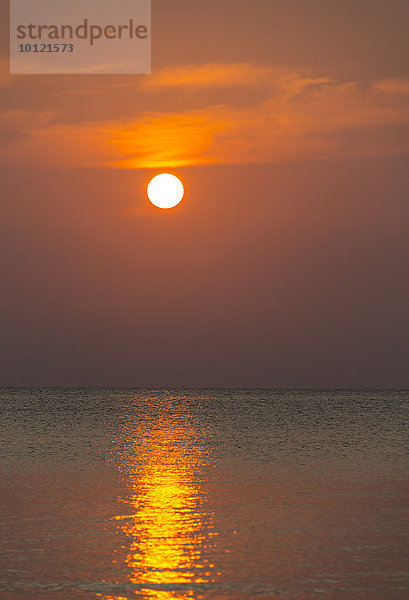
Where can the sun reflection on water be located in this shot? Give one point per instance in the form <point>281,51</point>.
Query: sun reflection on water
<point>170,530</point>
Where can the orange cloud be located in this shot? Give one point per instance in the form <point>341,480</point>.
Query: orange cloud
<point>36,140</point>
<point>211,75</point>
<point>299,118</point>
<point>394,86</point>
<point>168,140</point>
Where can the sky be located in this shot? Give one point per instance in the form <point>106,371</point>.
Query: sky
<point>286,263</point>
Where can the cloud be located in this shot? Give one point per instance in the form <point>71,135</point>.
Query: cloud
<point>302,118</point>
<point>298,117</point>
<point>167,140</point>
<point>35,139</point>
<point>393,86</point>
<point>210,75</point>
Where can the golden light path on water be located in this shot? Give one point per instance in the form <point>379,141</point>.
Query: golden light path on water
<point>169,530</point>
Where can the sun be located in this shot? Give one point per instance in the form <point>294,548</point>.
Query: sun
<point>165,191</point>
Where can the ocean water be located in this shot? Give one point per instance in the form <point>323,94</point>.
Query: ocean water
<point>207,494</point>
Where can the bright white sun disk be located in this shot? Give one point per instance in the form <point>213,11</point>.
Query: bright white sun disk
<point>165,191</point>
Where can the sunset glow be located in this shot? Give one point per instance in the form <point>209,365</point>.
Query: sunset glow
<point>204,364</point>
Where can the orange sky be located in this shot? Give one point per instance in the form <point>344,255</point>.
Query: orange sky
<point>288,123</point>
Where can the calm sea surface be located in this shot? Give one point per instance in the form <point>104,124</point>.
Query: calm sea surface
<point>215,494</point>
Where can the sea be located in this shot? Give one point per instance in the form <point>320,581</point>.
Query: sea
<point>213,494</point>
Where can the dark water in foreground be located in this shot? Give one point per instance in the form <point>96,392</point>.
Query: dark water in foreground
<point>213,494</point>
